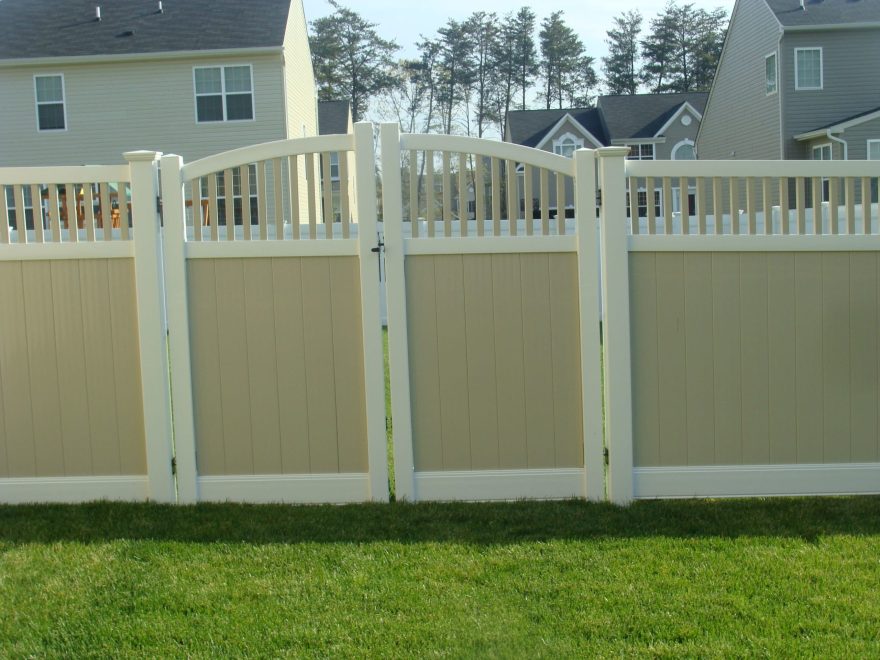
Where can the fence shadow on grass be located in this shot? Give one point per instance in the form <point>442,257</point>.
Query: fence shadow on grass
<point>475,524</point>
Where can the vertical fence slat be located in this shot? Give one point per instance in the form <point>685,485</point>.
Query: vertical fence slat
<point>667,205</point>
<point>701,206</point>
<point>866,205</point>
<point>36,211</point>
<point>327,190</point>
<point>850,205</point>
<point>88,212</point>
<point>528,207</point>
<point>212,207</point>
<point>784,215</point>
<point>429,193</point>
<point>20,219</point>
<point>196,197</point>
<point>634,206</point>
<point>545,202</point>
<point>833,215</point>
<point>650,209</point>
<point>262,204</point>
<point>278,189</point>
<point>462,194</point>
<point>718,205</point>
<point>684,201</point>
<point>496,197</point>
<point>560,204</point>
<point>123,210</point>
<point>72,212</point>
<point>768,205</point>
<point>512,197</point>
<point>4,217</point>
<point>106,212</point>
<point>447,195</point>
<point>293,191</point>
<point>480,194</point>
<point>734,205</point>
<point>344,199</point>
<point>751,206</point>
<point>244,175</point>
<point>414,193</point>
<point>310,195</point>
<point>229,213</point>
<point>817,205</point>
<point>801,203</point>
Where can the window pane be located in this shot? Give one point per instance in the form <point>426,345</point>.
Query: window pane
<point>208,81</point>
<point>771,74</point>
<point>49,89</point>
<point>684,152</point>
<point>809,65</point>
<point>51,116</point>
<point>210,108</point>
<point>238,79</point>
<point>239,106</point>
<point>874,150</point>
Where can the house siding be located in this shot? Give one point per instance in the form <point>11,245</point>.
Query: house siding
<point>299,78</point>
<point>741,121</point>
<point>851,82</point>
<point>675,134</point>
<point>117,107</point>
<point>857,138</point>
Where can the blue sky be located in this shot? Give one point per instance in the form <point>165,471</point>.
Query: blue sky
<point>404,21</point>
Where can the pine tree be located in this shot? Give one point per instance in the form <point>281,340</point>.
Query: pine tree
<point>657,52</point>
<point>350,59</point>
<point>455,72</point>
<point>621,67</point>
<point>565,72</point>
<point>482,29</point>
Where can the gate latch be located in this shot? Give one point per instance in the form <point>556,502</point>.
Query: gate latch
<point>379,247</point>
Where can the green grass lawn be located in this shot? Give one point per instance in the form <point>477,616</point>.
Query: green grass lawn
<point>726,578</point>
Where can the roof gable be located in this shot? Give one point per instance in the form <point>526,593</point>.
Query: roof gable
<point>818,13</point>
<point>68,28</point>
<point>643,116</point>
<point>570,121</point>
<point>333,117</point>
<point>530,127</point>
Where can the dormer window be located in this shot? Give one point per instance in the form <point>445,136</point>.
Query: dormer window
<point>567,145</point>
<point>224,93</point>
<point>808,72</point>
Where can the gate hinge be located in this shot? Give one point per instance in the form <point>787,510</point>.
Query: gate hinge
<point>605,455</point>
<point>599,197</point>
<point>174,466</point>
<point>158,204</point>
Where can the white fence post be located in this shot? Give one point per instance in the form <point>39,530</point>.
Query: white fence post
<point>149,282</point>
<point>616,324</point>
<point>374,367</point>
<point>398,341</point>
<point>588,299</point>
<point>177,307</point>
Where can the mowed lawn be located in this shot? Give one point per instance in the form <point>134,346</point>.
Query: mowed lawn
<point>565,579</point>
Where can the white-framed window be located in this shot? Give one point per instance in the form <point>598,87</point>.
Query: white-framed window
<point>771,71</point>
<point>567,145</point>
<point>237,209</point>
<point>873,149</point>
<point>642,203</point>
<point>824,152</point>
<point>49,95</point>
<point>684,150</point>
<point>641,152</point>
<point>808,73</point>
<point>224,93</point>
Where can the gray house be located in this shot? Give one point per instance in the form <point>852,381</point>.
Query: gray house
<point>82,81</point>
<point>796,80</point>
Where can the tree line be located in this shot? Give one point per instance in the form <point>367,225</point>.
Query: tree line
<point>471,73</point>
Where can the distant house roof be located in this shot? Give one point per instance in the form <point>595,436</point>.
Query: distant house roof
<point>333,117</point>
<point>68,28</point>
<point>840,125</point>
<point>625,117</point>
<point>636,116</point>
<point>824,12</point>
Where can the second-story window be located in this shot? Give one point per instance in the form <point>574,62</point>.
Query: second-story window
<point>808,68</point>
<point>770,73</point>
<point>224,93</point>
<point>49,91</point>
<point>567,145</point>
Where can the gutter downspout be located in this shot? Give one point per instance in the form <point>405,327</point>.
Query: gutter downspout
<point>829,135</point>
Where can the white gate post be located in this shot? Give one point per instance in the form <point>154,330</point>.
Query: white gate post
<point>374,367</point>
<point>398,341</point>
<point>588,299</point>
<point>616,323</point>
<point>177,306</point>
<point>150,287</point>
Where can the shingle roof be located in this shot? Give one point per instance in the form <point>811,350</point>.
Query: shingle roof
<point>333,117</point>
<point>623,117</point>
<point>528,127</point>
<point>64,28</point>
<point>824,12</point>
<point>642,115</point>
<point>846,120</point>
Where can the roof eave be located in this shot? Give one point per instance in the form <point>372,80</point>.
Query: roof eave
<point>139,57</point>
<point>832,27</point>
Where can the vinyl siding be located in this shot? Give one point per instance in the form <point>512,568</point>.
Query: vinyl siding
<point>675,134</point>
<point>299,78</point>
<point>741,121</point>
<point>857,138</point>
<point>118,107</point>
<point>851,82</point>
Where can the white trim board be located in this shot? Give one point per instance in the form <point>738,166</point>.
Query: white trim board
<point>344,247</point>
<point>70,490</point>
<point>684,106</point>
<point>490,245</point>
<point>287,489</point>
<point>756,243</point>
<point>574,122</point>
<point>757,480</point>
<point>64,251</point>
<point>486,485</point>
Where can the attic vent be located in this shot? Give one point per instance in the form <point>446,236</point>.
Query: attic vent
<point>127,33</point>
<point>97,13</point>
<point>161,10</point>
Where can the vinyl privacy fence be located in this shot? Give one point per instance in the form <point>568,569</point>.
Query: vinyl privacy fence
<point>229,347</point>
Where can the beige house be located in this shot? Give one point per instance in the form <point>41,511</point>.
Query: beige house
<point>81,83</point>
